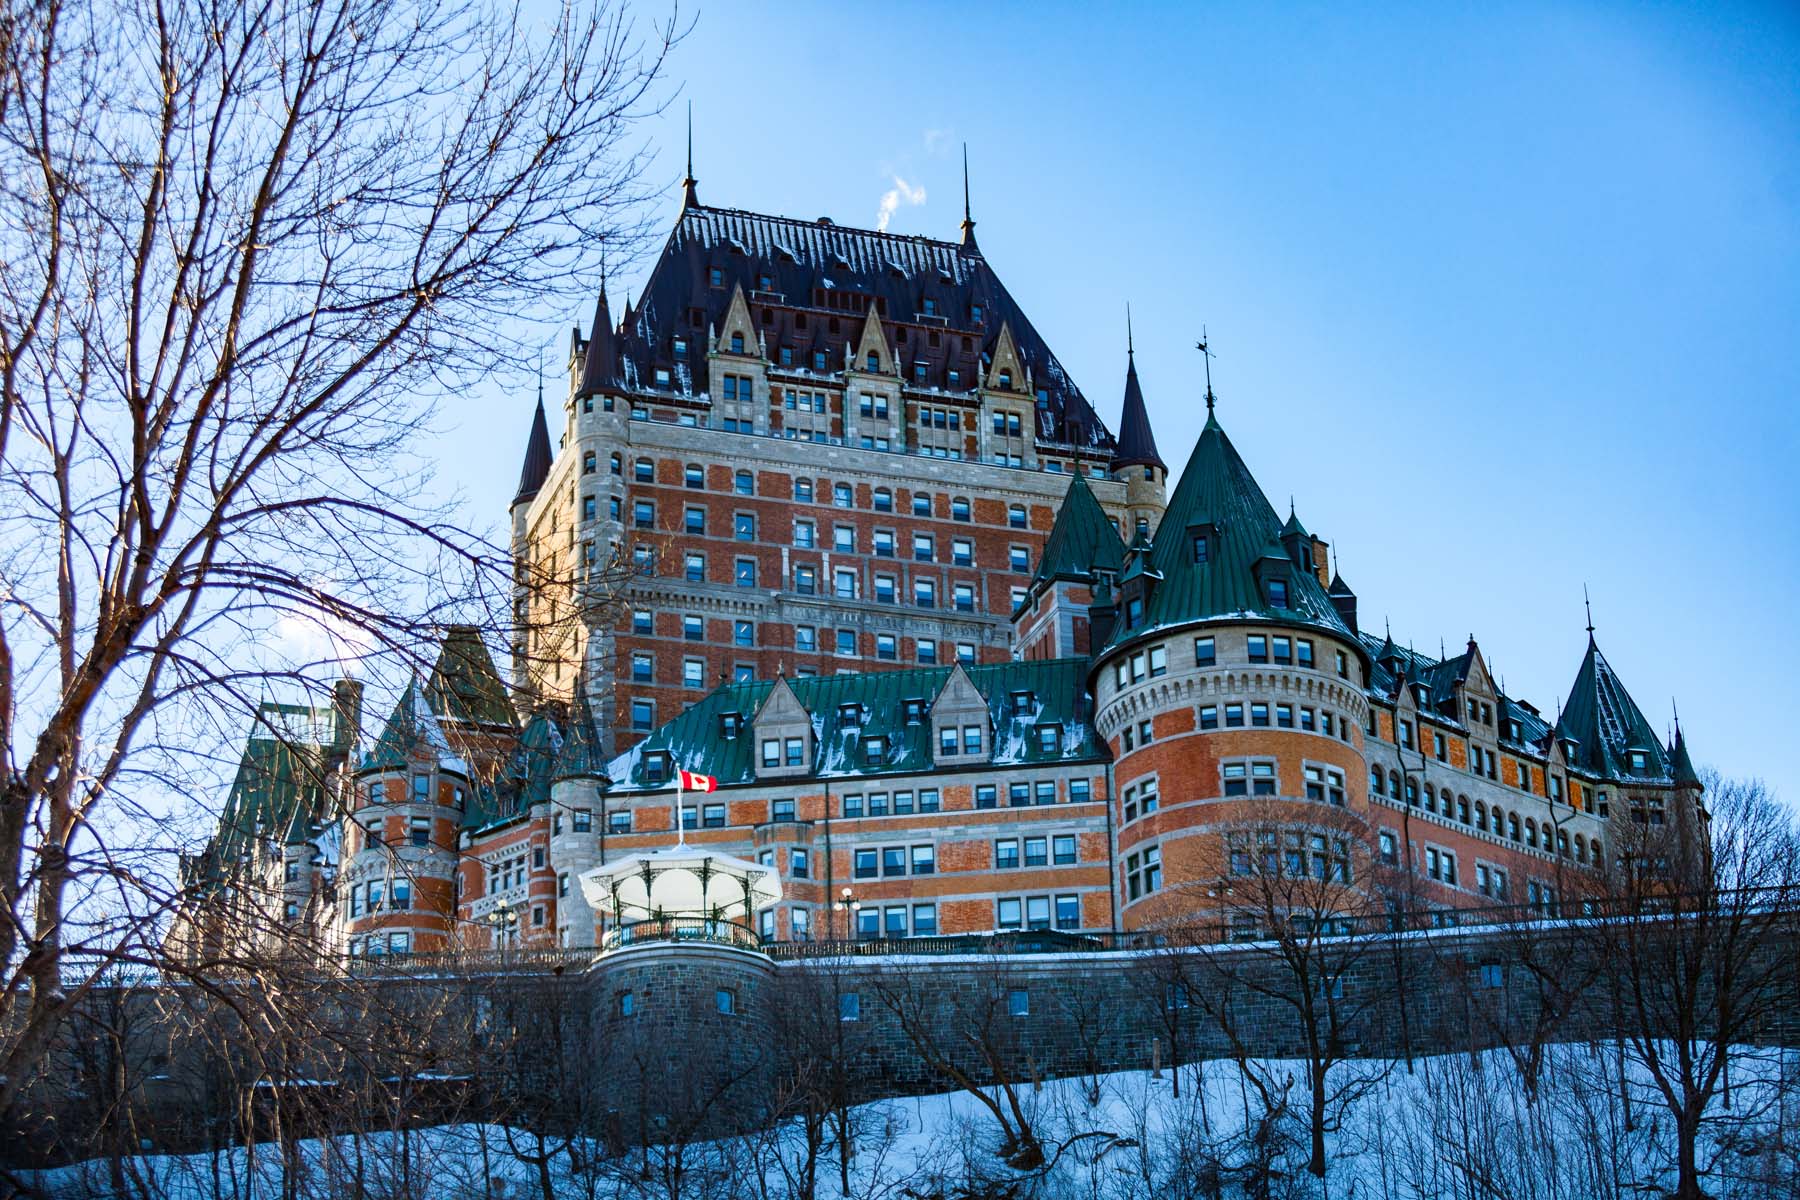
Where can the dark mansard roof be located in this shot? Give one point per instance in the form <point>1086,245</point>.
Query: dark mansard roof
<point>809,285</point>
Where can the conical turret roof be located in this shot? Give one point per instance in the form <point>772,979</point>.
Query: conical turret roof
<point>600,361</point>
<point>1606,725</point>
<point>537,456</point>
<point>580,756</point>
<point>1217,493</point>
<point>412,729</point>
<point>1137,445</point>
<point>1681,765</point>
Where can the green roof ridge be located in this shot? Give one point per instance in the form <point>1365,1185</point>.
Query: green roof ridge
<point>465,686</point>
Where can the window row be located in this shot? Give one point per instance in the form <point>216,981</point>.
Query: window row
<point>876,804</point>
<point>1037,912</point>
<point>1058,849</point>
<point>1527,831</point>
<point>1022,794</point>
<point>889,861</point>
<point>1289,854</point>
<point>1260,714</point>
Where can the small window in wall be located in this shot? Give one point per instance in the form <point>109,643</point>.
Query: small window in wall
<point>726,1000</point>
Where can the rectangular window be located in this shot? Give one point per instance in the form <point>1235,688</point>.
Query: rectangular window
<point>1068,912</point>
<point>1258,648</point>
<point>1204,655</point>
<point>744,572</point>
<point>1018,795</point>
<point>867,864</point>
<point>1006,853</point>
<point>986,795</point>
<point>1037,851</point>
<point>1009,913</point>
<point>1062,849</point>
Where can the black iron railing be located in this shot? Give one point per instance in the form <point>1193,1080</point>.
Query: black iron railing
<point>717,930</point>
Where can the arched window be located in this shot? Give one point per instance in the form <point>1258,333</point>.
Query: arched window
<point>1376,785</point>
<point>1512,826</point>
<point>1530,832</point>
<point>589,462</point>
<point>617,464</point>
<point>1412,793</point>
<point>1580,849</point>
<point>1480,815</point>
<point>1599,855</point>
<point>1562,842</point>
<point>1394,784</point>
<point>1430,798</point>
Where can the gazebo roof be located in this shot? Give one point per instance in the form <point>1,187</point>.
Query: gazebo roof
<point>680,881</point>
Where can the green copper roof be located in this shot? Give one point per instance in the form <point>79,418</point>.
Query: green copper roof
<point>1217,491</point>
<point>1057,696</point>
<point>410,728</point>
<point>1082,541</point>
<point>278,792</point>
<point>1293,526</point>
<point>1605,724</point>
<point>464,686</point>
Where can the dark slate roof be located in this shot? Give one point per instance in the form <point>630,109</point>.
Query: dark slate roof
<point>1604,723</point>
<point>279,784</point>
<point>600,359</point>
<point>465,687</point>
<point>1137,445</point>
<point>1058,688</point>
<point>1339,587</point>
<point>534,764</point>
<point>1680,764</point>
<point>1439,677</point>
<point>579,757</point>
<point>1083,540</point>
<point>1217,488</point>
<point>822,275</point>
<point>537,456</point>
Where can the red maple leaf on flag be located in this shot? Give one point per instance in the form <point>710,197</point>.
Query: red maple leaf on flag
<point>691,782</point>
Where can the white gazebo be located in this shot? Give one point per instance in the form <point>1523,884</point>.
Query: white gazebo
<point>681,893</point>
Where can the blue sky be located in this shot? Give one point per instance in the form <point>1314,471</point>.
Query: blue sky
<point>1507,298</point>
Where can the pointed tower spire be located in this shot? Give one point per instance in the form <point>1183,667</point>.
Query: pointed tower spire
<point>1136,444</point>
<point>537,454</point>
<point>689,198</point>
<point>968,221</point>
<point>599,366</point>
<point>1207,356</point>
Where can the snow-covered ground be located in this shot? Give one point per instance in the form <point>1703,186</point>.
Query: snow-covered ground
<point>1449,1128</point>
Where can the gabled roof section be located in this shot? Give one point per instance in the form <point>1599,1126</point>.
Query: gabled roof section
<point>1049,692</point>
<point>279,786</point>
<point>1137,445</point>
<point>1082,542</point>
<point>412,731</point>
<point>802,277</point>
<point>534,765</point>
<point>1605,724</point>
<point>1218,492</point>
<point>537,456</point>
<point>600,361</point>
<point>465,688</point>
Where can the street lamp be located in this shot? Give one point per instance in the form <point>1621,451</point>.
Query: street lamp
<point>505,923</point>
<point>849,905</point>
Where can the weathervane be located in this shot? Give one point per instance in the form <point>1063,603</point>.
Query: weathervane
<point>1589,606</point>
<point>1208,356</point>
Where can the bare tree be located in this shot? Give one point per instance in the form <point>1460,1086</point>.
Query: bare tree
<point>1696,941</point>
<point>1303,894</point>
<point>246,248</point>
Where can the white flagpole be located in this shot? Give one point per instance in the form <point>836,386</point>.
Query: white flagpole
<point>680,826</point>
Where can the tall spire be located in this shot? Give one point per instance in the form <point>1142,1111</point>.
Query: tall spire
<point>537,455</point>
<point>1588,606</point>
<point>1136,444</point>
<point>689,198</point>
<point>968,221</point>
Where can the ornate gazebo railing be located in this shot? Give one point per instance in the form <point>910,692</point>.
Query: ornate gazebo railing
<point>716,930</point>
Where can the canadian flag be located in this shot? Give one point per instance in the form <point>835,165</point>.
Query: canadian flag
<point>691,782</point>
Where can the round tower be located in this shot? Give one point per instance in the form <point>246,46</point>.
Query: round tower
<point>577,822</point>
<point>1230,691</point>
<point>399,851</point>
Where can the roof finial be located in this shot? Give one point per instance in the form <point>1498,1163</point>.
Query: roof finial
<point>1589,606</point>
<point>1129,350</point>
<point>1206,354</point>
<point>968,221</point>
<point>689,197</point>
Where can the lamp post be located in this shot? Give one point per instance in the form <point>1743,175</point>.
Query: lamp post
<point>850,906</point>
<point>505,922</point>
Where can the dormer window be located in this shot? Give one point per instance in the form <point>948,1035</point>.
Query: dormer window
<point>818,360</point>
<point>1021,703</point>
<point>1049,737</point>
<point>729,724</point>
<point>656,766</point>
<point>930,307</point>
<point>764,283</point>
<point>975,313</point>
<point>850,714</point>
<point>913,711</point>
<point>1006,381</point>
<point>874,749</point>
<point>737,343</point>
<point>1278,593</point>
<point>874,361</point>
<point>1639,760</point>
<point>717,277</point>
<point>1134,612</point>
